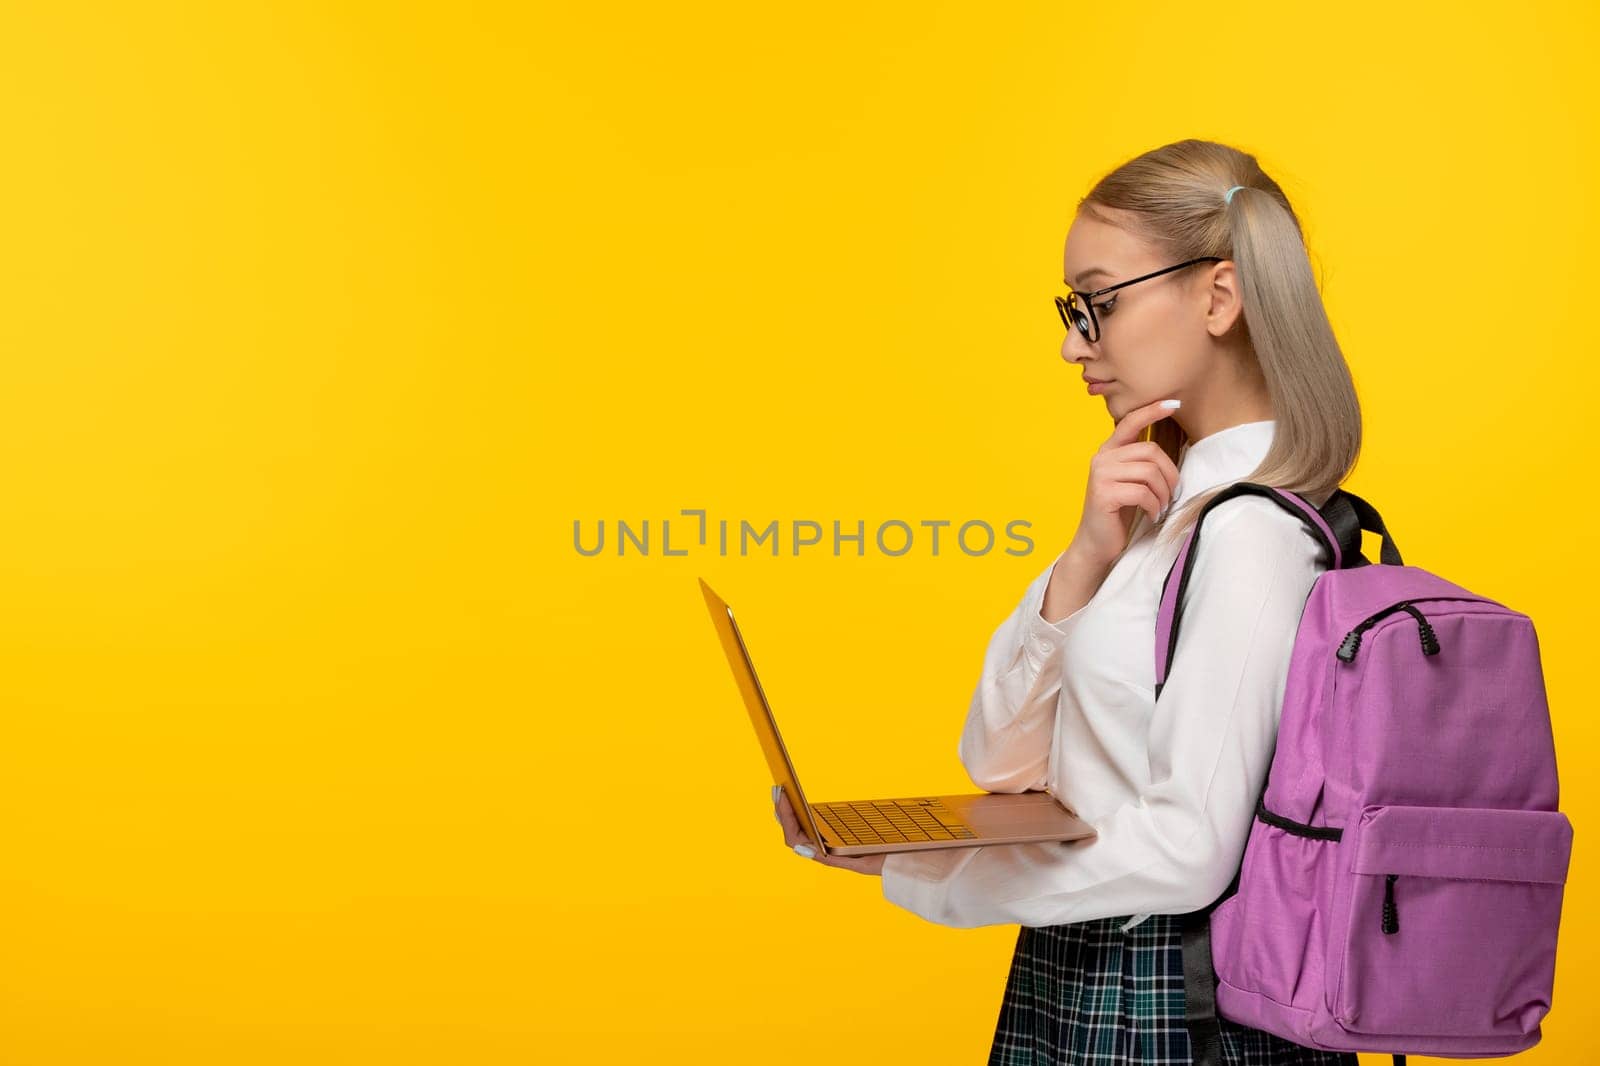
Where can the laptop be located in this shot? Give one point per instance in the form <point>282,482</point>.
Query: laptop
<point>868,827</point>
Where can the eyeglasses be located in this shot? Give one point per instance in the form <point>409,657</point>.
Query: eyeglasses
<point>1078,308</point>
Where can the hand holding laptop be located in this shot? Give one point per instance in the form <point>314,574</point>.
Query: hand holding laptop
<point>796,838</point>
<point>856,834</point>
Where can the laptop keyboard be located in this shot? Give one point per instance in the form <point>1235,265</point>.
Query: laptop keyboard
<point>892,821</point>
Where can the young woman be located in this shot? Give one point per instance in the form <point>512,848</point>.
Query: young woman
<point>1193,312</point>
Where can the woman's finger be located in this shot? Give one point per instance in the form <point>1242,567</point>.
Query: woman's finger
<point>1146,451</point>
<point>792,833</point>
<point>1135,494</point>
<point>1149,475</point>
<point>1132,424</point>
<point>843,862</point>
<point>864,864</point>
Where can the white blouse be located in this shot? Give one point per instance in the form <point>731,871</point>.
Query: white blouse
<point>1070,707</point>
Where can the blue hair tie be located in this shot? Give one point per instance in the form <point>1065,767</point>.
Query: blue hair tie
<point>1227,197</point>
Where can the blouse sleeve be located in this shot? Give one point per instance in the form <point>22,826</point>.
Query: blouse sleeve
<point>1005,745</point>
<point>1175,847</point>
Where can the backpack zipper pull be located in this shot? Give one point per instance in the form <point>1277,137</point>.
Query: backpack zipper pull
<point>1391,917</point>
<point>1430,643</point>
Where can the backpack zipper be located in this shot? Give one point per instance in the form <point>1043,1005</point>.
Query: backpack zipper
<point>1391,917</point>
<point>1352,640</point>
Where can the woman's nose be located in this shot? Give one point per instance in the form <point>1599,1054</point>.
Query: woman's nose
<point>1074,347</point>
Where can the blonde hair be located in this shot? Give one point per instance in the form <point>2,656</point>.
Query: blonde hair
<point>1173,198</point>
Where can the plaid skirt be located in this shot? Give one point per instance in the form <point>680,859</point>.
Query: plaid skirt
<point>1088,994</point>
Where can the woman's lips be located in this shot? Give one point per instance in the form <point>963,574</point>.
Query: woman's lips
<point>1097,387</point>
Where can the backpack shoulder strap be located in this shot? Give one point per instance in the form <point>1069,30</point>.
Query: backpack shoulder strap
<point>1337,524</point>
<point>1349,514</point>
<point>1170,613</point>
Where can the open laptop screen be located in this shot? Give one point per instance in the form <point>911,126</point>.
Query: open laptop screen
<point>755,702</point>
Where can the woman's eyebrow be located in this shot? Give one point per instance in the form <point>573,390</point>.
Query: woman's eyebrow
<point>1091,272</point>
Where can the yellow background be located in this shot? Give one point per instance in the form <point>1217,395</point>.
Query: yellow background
<point>322,323</point>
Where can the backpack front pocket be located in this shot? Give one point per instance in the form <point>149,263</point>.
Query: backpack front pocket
<point>1449,920</point>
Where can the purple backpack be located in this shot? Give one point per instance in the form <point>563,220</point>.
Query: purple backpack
<point>1401,887</point>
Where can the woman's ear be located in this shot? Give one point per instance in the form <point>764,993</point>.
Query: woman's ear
<point>1226,304</point>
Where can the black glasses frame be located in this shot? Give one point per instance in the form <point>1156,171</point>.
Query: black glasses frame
<point>1083,319</point>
